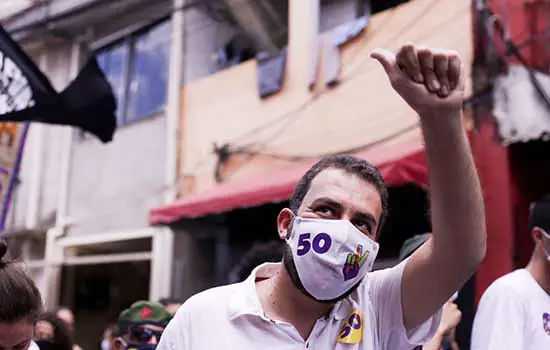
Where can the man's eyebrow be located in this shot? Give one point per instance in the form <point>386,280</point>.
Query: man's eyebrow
<point>327,201</point>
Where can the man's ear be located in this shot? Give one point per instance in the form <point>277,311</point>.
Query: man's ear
<point>284,223</point>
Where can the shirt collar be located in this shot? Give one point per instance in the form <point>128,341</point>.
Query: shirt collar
<point>246,301</point>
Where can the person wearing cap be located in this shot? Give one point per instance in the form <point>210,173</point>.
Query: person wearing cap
<point>444,338</point>
<point>141,326</point>
<point>514,312</point>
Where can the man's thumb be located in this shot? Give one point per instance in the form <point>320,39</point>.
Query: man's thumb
<point>386,59</point>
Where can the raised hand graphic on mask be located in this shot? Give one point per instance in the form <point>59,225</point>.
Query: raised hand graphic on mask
<point>354,262</point>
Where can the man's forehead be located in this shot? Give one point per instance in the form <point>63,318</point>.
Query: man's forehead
<point>337,182</point>
<point>348,190</point>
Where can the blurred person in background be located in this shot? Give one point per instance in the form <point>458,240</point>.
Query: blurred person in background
<point>141,326</point>
<point>514,312</point>
<point>259,254</point>
<point>171,304</point>
<point>444,338</point>
<point>51,332</point>
<point>20,305</point>
<point>66,314</point>
<point>109,335</point>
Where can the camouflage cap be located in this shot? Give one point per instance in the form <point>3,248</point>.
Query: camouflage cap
<point>412,244</point>
<point>145,312</point>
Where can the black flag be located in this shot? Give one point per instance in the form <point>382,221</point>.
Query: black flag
<point>26,94</point>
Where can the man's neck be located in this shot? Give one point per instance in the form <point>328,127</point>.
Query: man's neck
<point>282,301</point>
<point>539,268</point>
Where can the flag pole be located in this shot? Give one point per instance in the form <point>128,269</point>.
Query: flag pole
<point>36,140</point>
<point>67,148</point>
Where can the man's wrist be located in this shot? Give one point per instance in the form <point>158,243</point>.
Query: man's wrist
<point>442,332</point>
<point>442,126</point>
<point>440,118</point>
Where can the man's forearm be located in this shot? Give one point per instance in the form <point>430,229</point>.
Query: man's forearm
<point>458,219</point>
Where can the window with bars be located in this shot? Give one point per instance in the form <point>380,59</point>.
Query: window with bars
<point>137,68</point>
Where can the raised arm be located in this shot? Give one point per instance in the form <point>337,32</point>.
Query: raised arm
<point>432,83</point>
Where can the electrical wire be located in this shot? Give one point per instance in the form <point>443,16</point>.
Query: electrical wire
<point>354,149</point>
<point>355,74</point>
<point>287,115</point>
<point>350,61</point>
<point>314,97</point>
<point>250,152</point>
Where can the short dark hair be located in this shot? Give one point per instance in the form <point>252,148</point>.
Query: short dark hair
<point>351,165</point>
<point>61,334</point>
<point>539,215</point>
<point>19,297</point>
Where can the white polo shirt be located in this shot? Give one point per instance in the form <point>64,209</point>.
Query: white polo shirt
<point>513,313</point>
<point>231,317</point>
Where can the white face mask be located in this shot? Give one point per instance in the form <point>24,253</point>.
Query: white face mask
<point>331,256</point>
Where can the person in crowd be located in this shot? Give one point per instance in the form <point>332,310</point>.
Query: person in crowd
<point>444,338</point>
<point>141,326</point>
<point>51,333</point>
<point>171,304</point>
<point>259,253</point>
<point>20,305</point>
<point>514,312</point>
<point>109,335</point>
<point>323,295</point>
<point>66,314</point>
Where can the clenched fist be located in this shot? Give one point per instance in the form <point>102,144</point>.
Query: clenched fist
<point>430,80</point>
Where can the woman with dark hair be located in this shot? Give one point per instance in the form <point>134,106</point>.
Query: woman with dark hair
<point>20,305</point>
<point>52,333</point>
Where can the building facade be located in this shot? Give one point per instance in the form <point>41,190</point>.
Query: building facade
<point>79,215</point>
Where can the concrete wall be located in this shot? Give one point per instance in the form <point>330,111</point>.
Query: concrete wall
<point>112,186</point>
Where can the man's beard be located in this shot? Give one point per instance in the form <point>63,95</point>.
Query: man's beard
<point>290,266</point>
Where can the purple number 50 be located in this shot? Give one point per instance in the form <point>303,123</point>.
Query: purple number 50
<point>321,243</point>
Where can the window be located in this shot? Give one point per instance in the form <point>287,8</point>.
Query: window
<point>337,12</point>
<point>137,69</point>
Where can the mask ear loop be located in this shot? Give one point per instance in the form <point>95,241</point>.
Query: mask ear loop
<point>547,236</point>
<point>291,224</point>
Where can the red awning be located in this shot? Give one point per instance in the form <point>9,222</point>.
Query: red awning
<point>399,164</point>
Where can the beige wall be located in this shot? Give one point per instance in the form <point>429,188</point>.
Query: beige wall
<point>361,110</point>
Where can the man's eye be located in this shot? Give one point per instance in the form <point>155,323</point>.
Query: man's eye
<point>325,210</point>
<point>363,225</point>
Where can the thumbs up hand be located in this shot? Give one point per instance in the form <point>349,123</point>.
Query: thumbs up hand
<point>431,81</point>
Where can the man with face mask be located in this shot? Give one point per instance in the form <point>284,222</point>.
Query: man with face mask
<point>140,326</point>
<point>323,295</point>
<point>514,312</point>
